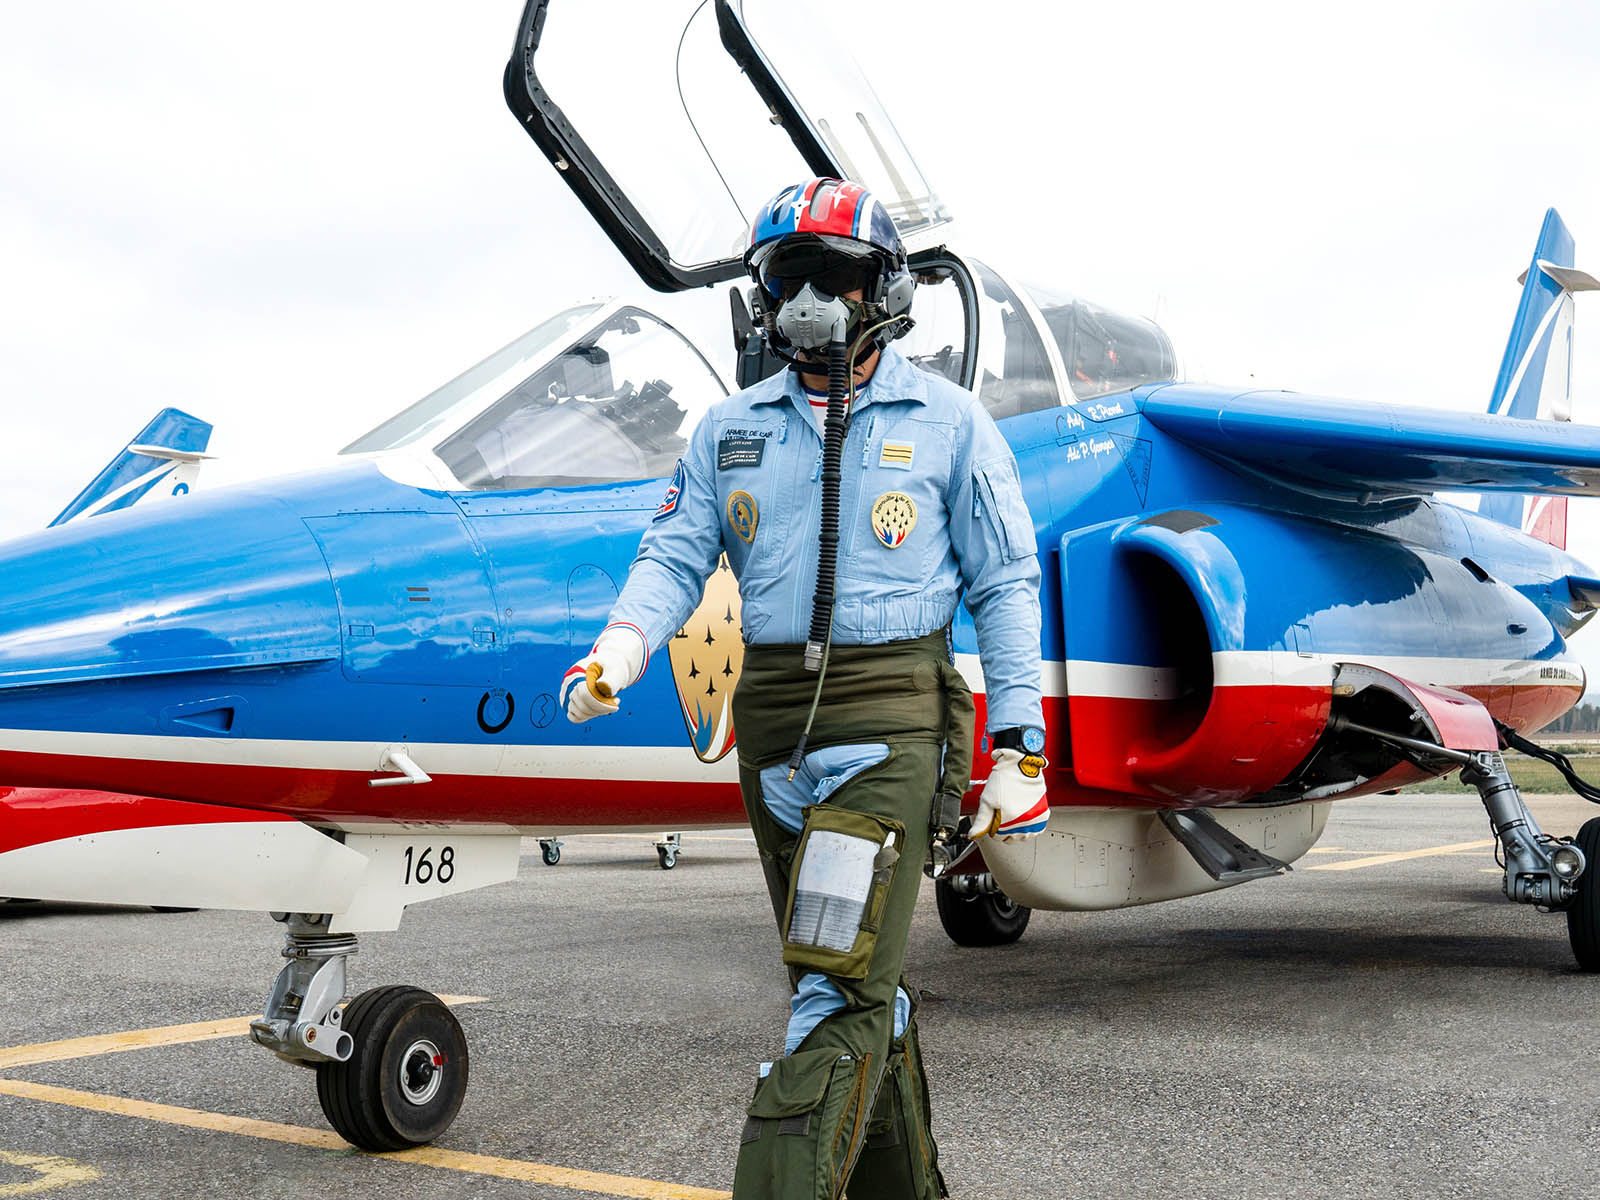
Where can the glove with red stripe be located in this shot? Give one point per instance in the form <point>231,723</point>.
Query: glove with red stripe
<point>590,686</point>
<point>1013,803</point>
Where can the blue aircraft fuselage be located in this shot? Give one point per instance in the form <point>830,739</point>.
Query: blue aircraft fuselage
<point>264,645</point>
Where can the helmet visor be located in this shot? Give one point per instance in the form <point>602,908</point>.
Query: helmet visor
<point>831,264</point>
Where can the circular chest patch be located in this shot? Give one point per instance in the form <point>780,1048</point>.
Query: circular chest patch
<point>894,516</point>
<point>742,515</point>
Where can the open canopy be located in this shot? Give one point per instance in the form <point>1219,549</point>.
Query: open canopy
<point>675,125</point>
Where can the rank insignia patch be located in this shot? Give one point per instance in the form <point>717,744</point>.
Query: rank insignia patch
<point>894,516</point>
<point>742,515</point>
<point>897,454</point>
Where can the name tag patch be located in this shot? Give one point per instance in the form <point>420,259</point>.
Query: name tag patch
<point>736,452</point>
<point>897,454</point>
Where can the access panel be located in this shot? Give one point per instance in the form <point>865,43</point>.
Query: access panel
<point>415,604</point>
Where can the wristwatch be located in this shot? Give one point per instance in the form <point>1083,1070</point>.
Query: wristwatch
<point>1025,739</point>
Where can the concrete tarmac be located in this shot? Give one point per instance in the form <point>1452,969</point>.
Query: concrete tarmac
<point>1367,1026</point>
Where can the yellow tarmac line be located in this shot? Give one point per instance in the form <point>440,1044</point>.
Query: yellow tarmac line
<point>1378,860</point>
<point>143,1039</point>
<point>320,1139</point>
<point>53,1172</point>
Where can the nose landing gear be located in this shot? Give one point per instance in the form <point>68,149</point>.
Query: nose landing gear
<point>391,1067</point>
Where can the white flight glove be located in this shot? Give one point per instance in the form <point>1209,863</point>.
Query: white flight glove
<point>1013,803</point>
<point>590,686</point>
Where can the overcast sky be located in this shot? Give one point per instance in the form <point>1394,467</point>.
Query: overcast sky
<point>294,220</point>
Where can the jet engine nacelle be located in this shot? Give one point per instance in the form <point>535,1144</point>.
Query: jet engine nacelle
<point>1202,646</point>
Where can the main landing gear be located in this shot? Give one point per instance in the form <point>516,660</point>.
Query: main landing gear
<point>1583,913</point>
<point>391,1067</point>
<point>975,912</point>
<point>1553,874</point>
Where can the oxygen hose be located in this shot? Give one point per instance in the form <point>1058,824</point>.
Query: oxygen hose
<point>833,431</point>
<point>841,394</point>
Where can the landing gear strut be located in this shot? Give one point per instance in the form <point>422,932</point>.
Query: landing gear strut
<point>1540,869</point>
<point>391,1067</point>
<point>1552,873</point>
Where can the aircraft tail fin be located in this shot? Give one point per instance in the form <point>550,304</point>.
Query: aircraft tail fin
<point>162,460</point>
<point>1535,379</point>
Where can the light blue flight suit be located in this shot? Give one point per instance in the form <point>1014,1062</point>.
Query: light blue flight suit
<point>749,486</point>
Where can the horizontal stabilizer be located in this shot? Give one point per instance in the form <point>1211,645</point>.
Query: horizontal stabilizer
<point>1569,279</point>
<point>1370,451</point>
<point>169,453</point>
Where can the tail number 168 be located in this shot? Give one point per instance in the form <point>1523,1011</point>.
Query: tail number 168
<point>422,868</point>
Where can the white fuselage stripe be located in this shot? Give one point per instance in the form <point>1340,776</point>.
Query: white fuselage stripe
<point>678,764</point>
<point>1288,668</point>
<point>657,764</point>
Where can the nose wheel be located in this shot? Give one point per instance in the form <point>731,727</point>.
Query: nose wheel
<point>406,1075</point>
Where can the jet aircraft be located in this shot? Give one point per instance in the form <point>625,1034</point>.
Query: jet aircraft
<point>1255,602</point>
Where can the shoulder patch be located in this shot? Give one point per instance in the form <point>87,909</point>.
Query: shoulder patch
<point>669,502</point>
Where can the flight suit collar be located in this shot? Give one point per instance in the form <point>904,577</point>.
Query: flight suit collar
<point>894,380</point>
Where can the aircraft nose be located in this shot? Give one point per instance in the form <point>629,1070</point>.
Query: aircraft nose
<point>204,583</point>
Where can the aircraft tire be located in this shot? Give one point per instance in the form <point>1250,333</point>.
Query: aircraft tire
<point>406,1077</point>
<point>1583,914</point>
<point>992,920</point>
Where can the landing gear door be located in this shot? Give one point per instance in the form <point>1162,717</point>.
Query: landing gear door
<point>674,125</point>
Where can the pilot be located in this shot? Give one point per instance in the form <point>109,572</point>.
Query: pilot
<point>854,727</point>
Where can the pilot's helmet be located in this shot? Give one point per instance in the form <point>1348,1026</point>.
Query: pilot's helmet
<point>837,236</point>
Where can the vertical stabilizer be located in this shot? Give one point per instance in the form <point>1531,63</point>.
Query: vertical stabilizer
<point>1535,379</point>
<point>162,460</point>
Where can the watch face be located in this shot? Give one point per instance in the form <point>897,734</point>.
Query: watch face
<point>1033,740</point>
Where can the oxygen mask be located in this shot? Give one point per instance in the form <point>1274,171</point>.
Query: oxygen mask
<point>812,318</point>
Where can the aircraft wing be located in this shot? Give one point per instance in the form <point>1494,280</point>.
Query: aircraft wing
<point>1368,451</point>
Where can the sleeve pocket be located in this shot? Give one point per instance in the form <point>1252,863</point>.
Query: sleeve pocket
<point>1000,495</point>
